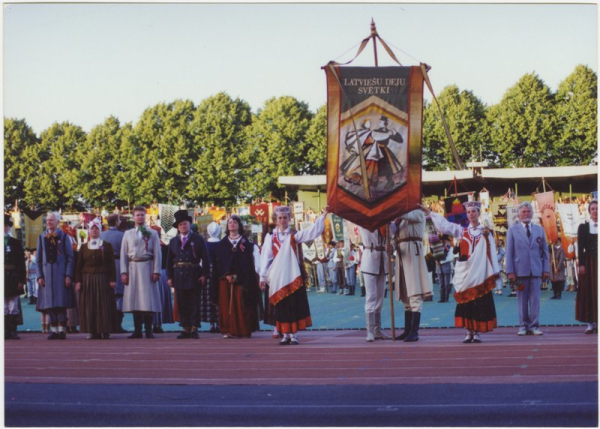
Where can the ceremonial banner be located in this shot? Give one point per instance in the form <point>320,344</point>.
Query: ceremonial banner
<point>203,222</point>
<point>455,211</point>
<point>512,215</point>
<point>299,210</point>
<point>166,212</point>
<point>260,213</point>
<point>545,202</point>
<point>353,234</point>
<point>320,247</point>
<point>569,222</point>
<point>337,227</point>
<point>374,126</point>
<point>34,225</point>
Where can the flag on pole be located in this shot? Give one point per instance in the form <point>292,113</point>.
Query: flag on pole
<point>374,142</point>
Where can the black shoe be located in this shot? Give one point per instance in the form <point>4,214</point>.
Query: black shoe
<point>53,336</point>
<point>94,337</point>
<point>149,334</point>
<point>158,330</point>
<point>14,336</point>
<point>285,342</point>
<point>512,294</point>
<point>30,301</point>
<point>213,330</point>
<point>136,334</point>
<point>554,297</point>
<point>442,300</point>
<point>62,335</point>
<point>184,335</point>
<point>105,336</point>
<point>194,335</point>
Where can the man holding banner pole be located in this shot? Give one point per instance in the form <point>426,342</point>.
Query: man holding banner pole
<point>412,282</point>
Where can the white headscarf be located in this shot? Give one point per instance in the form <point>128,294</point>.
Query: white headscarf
<point>214,231</point>
<point>96,242</point>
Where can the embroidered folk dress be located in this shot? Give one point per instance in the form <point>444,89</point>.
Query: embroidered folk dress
<point>474,276</point>
<point>280,269</point>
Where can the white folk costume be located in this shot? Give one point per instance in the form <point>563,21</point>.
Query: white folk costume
<point>140,258</point>
<point>280,269</point>
<point>474,275</point>
<point>412,279</point>
<point>374,267</point>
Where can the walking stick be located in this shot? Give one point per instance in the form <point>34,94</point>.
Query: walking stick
<point>390,280</point>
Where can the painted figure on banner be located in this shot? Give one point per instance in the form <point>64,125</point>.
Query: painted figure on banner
<point>381,158</point>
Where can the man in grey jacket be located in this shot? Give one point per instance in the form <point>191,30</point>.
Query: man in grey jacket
<point>527,264</point>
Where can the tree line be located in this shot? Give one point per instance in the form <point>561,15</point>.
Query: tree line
<point>221,152</point>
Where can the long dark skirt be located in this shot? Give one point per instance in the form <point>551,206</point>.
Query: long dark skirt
<point>97,303</point>
<point>269,312</point>
<point>292,314</point>
<point>586,305</point>
<point>236,317</point>
<point>478,315</point>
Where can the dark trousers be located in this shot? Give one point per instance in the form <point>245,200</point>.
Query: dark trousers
<point>339,272</point>
<point>57,315</point>
<point>188,304</point>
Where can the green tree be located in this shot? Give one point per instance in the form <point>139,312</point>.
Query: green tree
<point>523,124</point>
<point>101,164</point>
<point>278,144</point>
<point>19,141</point>
<point>316,138</point>
<point>577,115</point>
<point>465,115</point>
<point>218,160</point>
<point>159,153</point>
<point>54,183</point>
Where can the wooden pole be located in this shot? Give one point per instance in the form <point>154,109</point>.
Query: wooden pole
<point>390,283</point>
<point>374,37</point>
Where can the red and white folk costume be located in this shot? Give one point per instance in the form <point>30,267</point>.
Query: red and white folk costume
<point>280,269</point>
<point>474,275</point>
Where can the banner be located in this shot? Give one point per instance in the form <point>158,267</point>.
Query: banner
<point>569,223</point>
<point>374,127</point>
<point>455,211</point>
<point>34,225</point>
<point>337,227</point>
<point>512,215</point>
<point>545,202</point>
<point>353,234</point>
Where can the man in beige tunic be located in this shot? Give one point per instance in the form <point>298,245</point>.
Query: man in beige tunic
<point>140,273</point>
<point>413,282</point>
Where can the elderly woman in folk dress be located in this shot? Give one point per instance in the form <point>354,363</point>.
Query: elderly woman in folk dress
<point>475,272</point>
<point>586,305</point>
<point>95,280</point>
<point>280,269</point>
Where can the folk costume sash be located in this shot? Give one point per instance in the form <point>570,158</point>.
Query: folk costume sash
<point>475,276</point>
<point>284,276</point>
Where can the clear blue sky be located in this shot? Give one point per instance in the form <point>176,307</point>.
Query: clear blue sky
<point>84,62</point>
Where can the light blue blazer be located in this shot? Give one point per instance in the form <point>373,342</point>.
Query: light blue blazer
<point>526,256</point>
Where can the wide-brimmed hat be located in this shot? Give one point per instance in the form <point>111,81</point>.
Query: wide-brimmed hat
<point>180,216</point>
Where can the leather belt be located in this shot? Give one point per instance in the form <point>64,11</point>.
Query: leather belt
<point>379,248</point>
<point>185,264</point>
<point>407,239</point>
<point>141,259</point>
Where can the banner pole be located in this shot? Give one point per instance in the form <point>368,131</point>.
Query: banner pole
<point>390,280</point>
<point>374,37</point>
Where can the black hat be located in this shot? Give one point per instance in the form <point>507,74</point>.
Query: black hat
<point>180,216</point>
<point>8,220</point>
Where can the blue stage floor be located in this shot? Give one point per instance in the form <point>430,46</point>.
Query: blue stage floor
<point>331,311</point>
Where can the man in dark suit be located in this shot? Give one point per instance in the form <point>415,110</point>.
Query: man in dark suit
<point>527,261</point>
<point>15,276</point>
<point>187,270</point>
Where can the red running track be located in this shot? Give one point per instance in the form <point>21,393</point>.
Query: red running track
<point>563,354</point>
